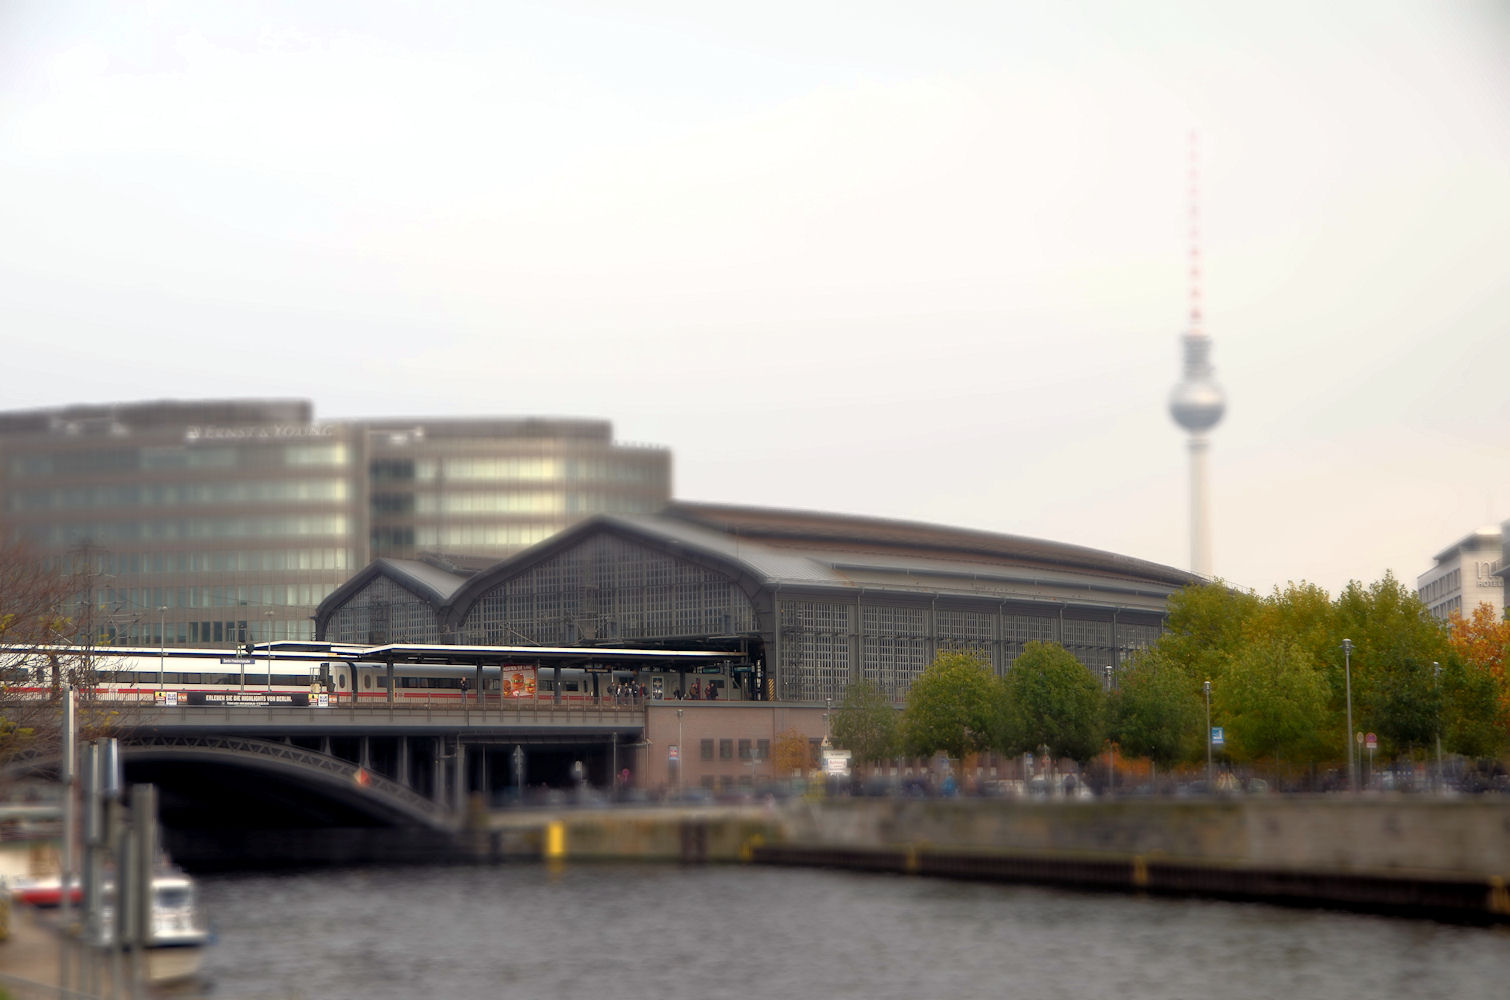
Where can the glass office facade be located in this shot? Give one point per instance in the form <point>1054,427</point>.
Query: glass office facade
<point>221,522</point>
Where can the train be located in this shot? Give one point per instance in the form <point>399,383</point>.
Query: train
<point>319,674</point>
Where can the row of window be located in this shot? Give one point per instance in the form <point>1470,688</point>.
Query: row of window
<point>181,529</point>
<point>268,560</point>
<point>228,596</point>
<point>124,495</point>
<point>457,537</point>
<point>93,462</point>
<point>749,750</point>
<point>507,502</point>
<point>208,633</point>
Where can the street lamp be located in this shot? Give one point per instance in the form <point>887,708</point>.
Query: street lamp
<point>269,615</point>
<point>1347,676</point>
<point>1210,779</point>
<point>162,641</point>
<point>1436,672</point>
<point>681,752</point>
<point>1111,775</point>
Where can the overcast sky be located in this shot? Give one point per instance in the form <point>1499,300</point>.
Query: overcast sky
<point>915,260</point>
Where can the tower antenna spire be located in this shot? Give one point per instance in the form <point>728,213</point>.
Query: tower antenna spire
<point>1197,403</point>
<point>1195,234</point>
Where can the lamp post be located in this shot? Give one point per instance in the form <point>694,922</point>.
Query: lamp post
<point>1347,676</point>
<point>1436,672</point>
<point>269,615</point>
<point>162,642</point>
<point>1210,774</point>
<point>681,752</point>
<point>1111,774</point>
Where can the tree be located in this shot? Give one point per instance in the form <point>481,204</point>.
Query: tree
<point>1052,700</point>
<point>33,624</point>
<point>1206,626</point>
<point>1482,643</point>
<point>1157,712</point>
<point>866,723</point>
<point>1395,639</point>
<point>792,753</point>
<point>951,707</point>
<point>1472,722</point>
<point>1272,699</point>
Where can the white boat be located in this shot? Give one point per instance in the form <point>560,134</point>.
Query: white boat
<point>178,935</point>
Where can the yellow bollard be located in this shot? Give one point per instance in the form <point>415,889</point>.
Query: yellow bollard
<point>555,840</point>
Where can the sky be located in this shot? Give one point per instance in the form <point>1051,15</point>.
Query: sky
<point>921,261</point>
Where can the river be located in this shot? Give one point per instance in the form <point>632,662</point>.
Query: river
<point>694,933</point>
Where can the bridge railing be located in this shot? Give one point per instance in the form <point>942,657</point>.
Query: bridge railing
<point>422,701</point>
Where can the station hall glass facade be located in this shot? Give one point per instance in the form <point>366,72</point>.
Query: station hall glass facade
<point>819,600</point>
<point>226,521</point>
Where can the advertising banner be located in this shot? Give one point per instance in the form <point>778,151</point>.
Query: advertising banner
<point>518,682</point>
<point>251,699</point>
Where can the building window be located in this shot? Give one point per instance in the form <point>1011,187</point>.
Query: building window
<point>745,746</point>
<point>725,749</point>
<point>763,749</point>
<point>707,750</point>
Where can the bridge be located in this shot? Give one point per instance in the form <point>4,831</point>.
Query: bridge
<point>258,776</point>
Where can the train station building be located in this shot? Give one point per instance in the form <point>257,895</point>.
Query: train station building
<point>804,603</point>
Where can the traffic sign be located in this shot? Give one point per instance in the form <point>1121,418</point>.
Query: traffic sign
<point>1371,741</point>
<point>1218,738</point>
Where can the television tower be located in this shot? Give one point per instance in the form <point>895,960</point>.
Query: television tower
<point>1197,402</point>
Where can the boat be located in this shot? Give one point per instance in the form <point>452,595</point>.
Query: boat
<point>45,892</point>
<point>178,935</point>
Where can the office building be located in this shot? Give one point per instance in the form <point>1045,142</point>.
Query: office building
<point>1467,573</point>
<point>225,521</point>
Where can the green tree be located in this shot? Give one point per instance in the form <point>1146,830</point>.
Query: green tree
<point>1271,699</point>
<point>1157,712</point>
<point>1052,700</point>
<point>951,707</point>
<point>1470,720</point>
<point>866,724</point>
<point>1395,640</point>
<point>1206,626</point>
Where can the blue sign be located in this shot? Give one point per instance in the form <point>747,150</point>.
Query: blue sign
<point>1217,737</point>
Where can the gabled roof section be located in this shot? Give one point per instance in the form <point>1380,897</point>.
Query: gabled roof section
<point>429,583</point>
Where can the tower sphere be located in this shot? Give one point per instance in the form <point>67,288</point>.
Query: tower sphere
<point>1197,404</point>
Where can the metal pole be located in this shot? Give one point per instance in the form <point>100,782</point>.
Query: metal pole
<point>1210,774</point>
<point>1436,672</point>
<point>681,752</point>
<point>269,613</point>
<point>70,822</point>
<point>1347,674</point>
<point>1111,776</point>
<point>162,642</point>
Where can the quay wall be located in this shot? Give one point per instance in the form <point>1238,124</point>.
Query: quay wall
<point>1332,833</point>
<point>1439,859</point>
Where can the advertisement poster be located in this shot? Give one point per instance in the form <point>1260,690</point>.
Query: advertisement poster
<point>518,682</point>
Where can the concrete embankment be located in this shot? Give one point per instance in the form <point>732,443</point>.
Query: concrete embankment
<point>695,835</point>
<point>1422,857</point>
<point>1443,859</point>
